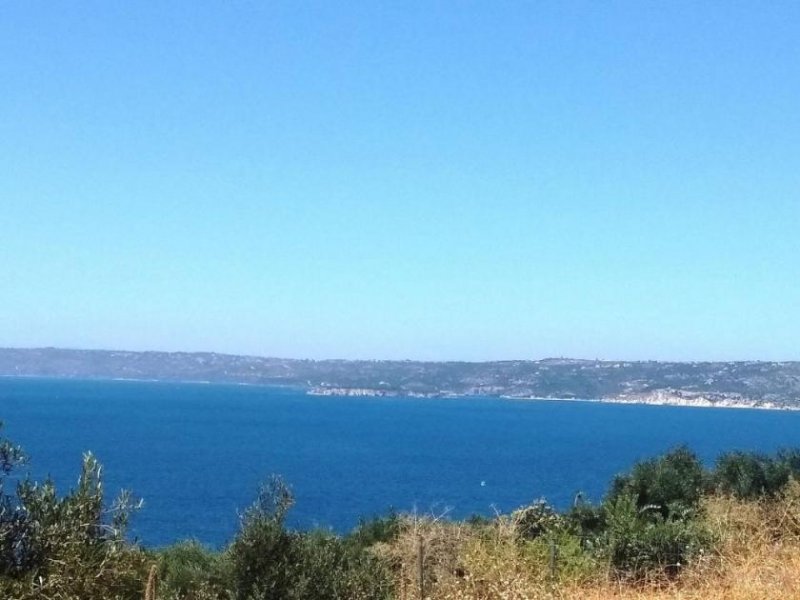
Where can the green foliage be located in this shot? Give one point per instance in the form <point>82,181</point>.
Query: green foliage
<point>671,483</point>
<point>648,523</point>
<point>750,475</point>
<point>73,547</point>
<point>189,571</point>
<point>584,520</point>
<point>741,474</point>
<point>790,457</point>
<point>67,546</point>
<point>571,562</point>
<point>478,520</point>
<point>329,568</point>
<point>536,519</point>
<point>262,561</point>
<point>11,456</point>
<point>639,541</point>
<point>270,562</point>
<point>382,529</point>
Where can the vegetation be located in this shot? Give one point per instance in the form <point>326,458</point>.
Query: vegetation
<point>669,528</point>
<point>67,546</point>
<point>756,383</point>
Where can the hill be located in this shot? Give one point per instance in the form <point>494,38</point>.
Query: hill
<point>745,383</point>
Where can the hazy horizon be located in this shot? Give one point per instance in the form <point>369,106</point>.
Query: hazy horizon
<point>420,181</point>
<point>406,359</point>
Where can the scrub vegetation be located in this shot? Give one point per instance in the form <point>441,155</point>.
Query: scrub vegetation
<point>669,528</point>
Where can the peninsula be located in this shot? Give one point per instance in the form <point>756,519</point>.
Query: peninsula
<point>751,384</point>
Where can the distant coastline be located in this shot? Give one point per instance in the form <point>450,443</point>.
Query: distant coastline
<point>738,384</point>
<point>655,398</point>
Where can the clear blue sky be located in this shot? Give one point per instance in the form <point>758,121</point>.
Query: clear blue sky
<point>428,180</point>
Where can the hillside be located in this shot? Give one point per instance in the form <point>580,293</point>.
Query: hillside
<point>752,383</point>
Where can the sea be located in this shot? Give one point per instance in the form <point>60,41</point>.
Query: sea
<point>197,453</point>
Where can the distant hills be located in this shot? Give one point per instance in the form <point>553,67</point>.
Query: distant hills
<point>746,384</point>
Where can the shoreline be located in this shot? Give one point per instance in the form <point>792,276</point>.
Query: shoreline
<point>665,397</point>
<point>675,398</point>
<point>673,403</point>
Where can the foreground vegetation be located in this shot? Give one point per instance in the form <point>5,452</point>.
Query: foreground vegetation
<point>667,529</point>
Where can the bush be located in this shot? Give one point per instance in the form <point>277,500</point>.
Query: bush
<point>564,557</point>
<point>649,521</point>
<point>584,520</point>
<point>11,456</point>
<point>269,562</point>
<point>535,520</point>
<point>261,555</point>
<point>330,568</point>
<point>750,475</point>
<point>190,571</point>
<point>376,530</point>
<point>639,542</point>
<point>68,546</point>
<point>791,458</point>
<point>12,520</point>
<point>671,483</point>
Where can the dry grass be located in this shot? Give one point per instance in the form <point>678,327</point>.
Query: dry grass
<point>462,561</point>
<point>757,558</point>
<point>150,588</point>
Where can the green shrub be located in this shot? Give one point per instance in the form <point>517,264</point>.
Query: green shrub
<point>639,542</point>
<point>369,532</point>
<point>11,456</point>
<point>478,520</point>
<point>536,520</point>
<point>750,475</point>
<point>262,554</point>
<point>269,562</point>
<point>741,474</point>
<point>328,568</point>
<point>572,561</point>
<point>670,483</point>
<point>67,546</point>
<point>12,520</point>
<point>189,571</point>
<point>649,520</point>
<point>584,520</point>
<point>791,458</point>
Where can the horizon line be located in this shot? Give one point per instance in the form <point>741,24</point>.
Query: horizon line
<point>395,360</point>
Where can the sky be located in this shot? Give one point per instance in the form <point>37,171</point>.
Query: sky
<point>391,180</point>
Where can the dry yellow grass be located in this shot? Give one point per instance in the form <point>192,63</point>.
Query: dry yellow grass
<point>150,588</point>
<point>757,558</point>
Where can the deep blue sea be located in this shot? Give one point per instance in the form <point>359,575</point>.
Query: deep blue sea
<point>196,453</point>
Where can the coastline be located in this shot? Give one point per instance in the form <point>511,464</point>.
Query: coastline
<point>678,402</point>
<point>661,397</point>
<point>668,397</point>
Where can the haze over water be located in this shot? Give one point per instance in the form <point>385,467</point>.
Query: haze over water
<point>196,453</point>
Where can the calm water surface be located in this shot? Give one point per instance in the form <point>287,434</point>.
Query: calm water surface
<point>196,453</point>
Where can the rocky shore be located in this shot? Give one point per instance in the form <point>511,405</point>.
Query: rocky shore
<point>665,397</point>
